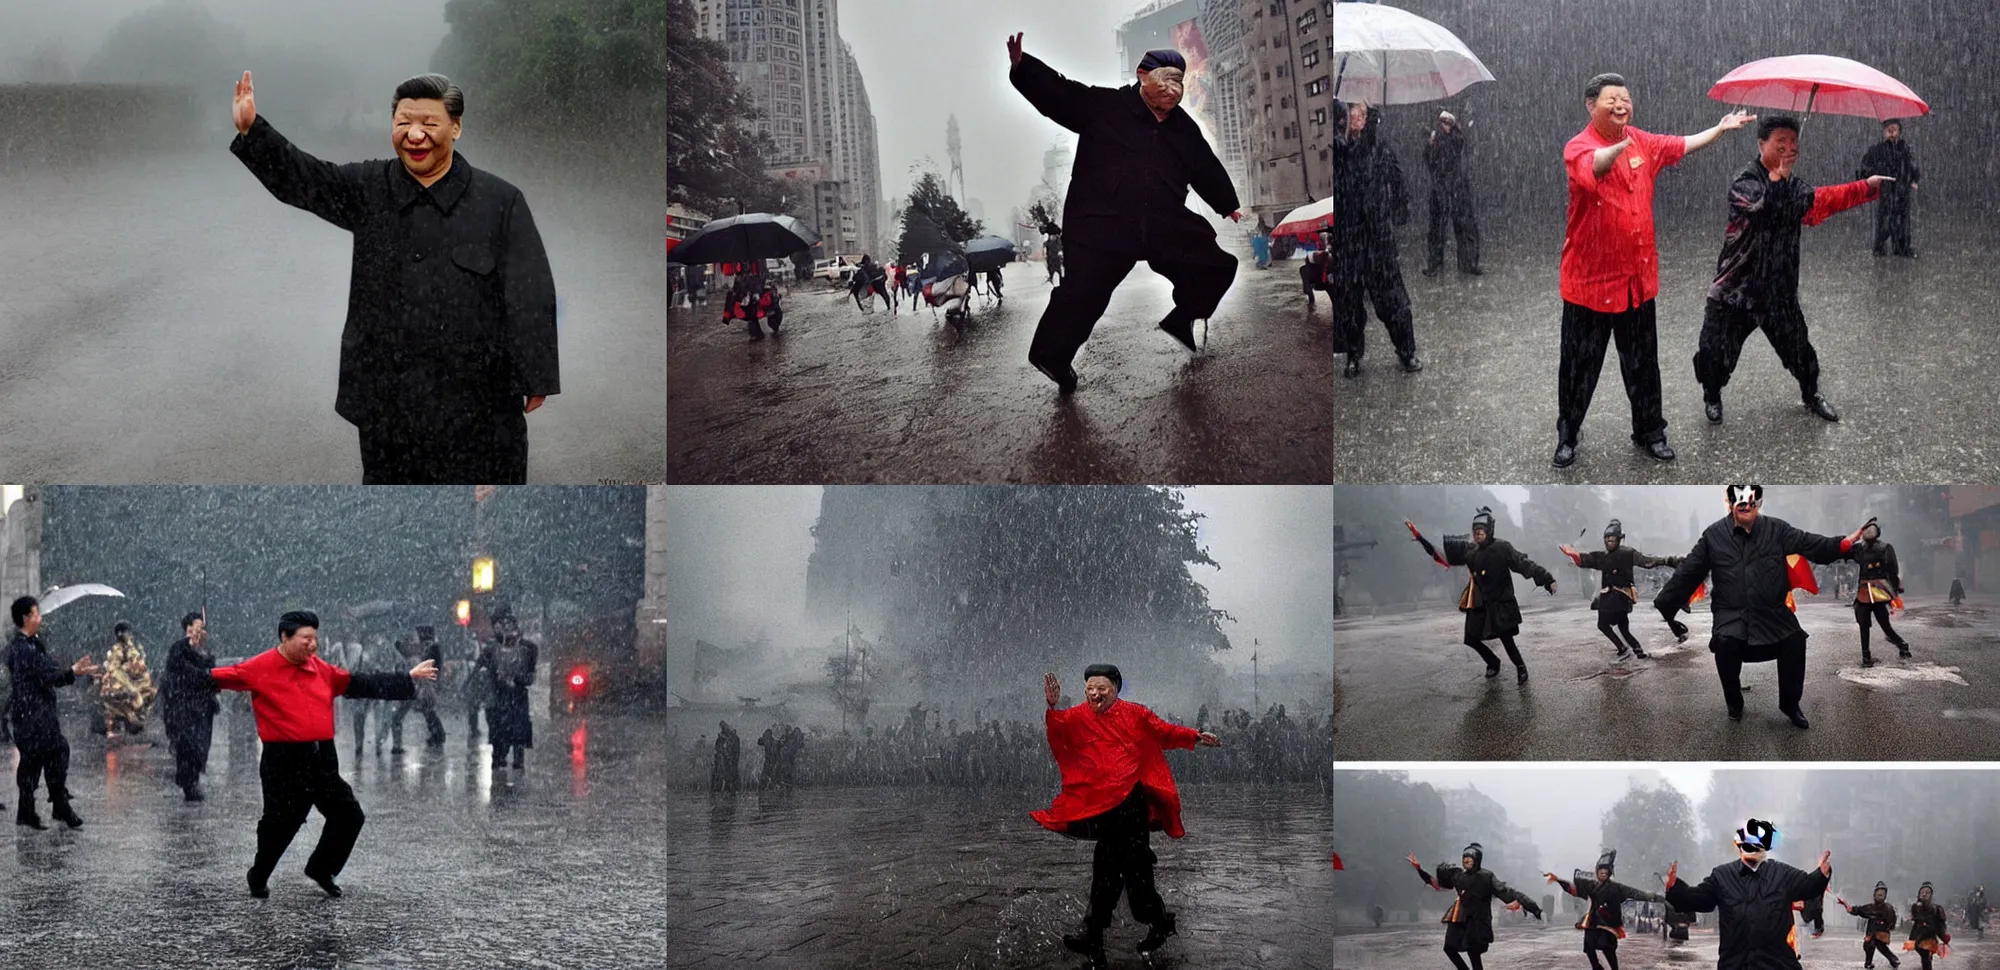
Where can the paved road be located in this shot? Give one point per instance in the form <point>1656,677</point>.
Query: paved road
<point>843,397</point>
<point>1532,946</point>
<point>1407,689</point>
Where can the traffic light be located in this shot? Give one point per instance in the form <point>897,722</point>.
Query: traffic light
<point>482,574</point>
<point>579,681</point>
<point>464,612</point>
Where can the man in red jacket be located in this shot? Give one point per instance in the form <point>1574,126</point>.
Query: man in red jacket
<point>292,692</point>
<point>1116,787</point>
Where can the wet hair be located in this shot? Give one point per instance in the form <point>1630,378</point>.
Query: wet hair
<point>22,607</point>
<point>432,87</point>
<point>295,621</point>
<point>1109,671</point>
<point>120,628</point>
<point>1597,84</point>
<point>1886,122</point>
<point>188,620</point>
<point>1771,123</point>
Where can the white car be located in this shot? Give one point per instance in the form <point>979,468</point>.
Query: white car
<point>839,269</point>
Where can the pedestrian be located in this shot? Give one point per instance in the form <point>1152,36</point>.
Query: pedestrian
<point>1752,562</point>
<point>1975,910</point>
<point>1469,923</point>
<point>1957,590</point>
<point>1116,788</point>
<point>188,704</point>
<point>1369,201</point>
<point>1260,243</point>
<point>1451,197</point>
<point>1880,588</point>
<point>292,691</point>
<point>1610,265</point>
<point>1753,898</point>
<point>370,657</point>
<point>900,282</point>
<point>723,775</point>
<point>451,314</point>
<point>38,737</point>
<point>993,284</point>
<point>424,702</point>
<point>1314,272</point>
<point>1757,276</point>
<point>768,770</point>
<point>474,687</point>
<point>1603,922</point>
<point>1618,591</point>
<point>510,663</point>
<point>1137,154</point>
<point>127,689</point>
<point>1891,157</point>
<point>1491,611</point>
<point>697,283</point>
<point>1881,917</point>
<point>1928,933</point>
<point>1052,254</point>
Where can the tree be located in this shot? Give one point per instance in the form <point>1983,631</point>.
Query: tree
<point>1651,828</point>
<point>1378,817</point>
<point>715,158</point>
<point>930,202</point>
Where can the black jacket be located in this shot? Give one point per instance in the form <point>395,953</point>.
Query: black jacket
<point>1748,577</point>
<point>507,708</point>
<point>1926,921</point>
<point>32,711</point>
<point>1490,588</point>
<point>1617,566</point>
<point>1607,900</point>
<point>187,693</point>
<point>1881,917</point>
<point>1369,196</point>
<point>451,306</point>
<point>1755,908</point>
<point>1758,268</point>
<point>1444,155</point>
<point>1129,184</point>
<point>1878,563</point>
<point>1477,889</point>
<point>1894,159</point>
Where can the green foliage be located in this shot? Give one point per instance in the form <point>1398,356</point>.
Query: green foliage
<point>1651,828</point>
<point>715,158</point>
<point>1377,817</point>
<point>930,204</point>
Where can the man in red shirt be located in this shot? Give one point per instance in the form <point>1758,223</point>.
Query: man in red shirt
<point>1610,267</point>
<point>292,692</point>
<point>1116,787</point>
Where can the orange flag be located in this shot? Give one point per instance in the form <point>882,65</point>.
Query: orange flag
<point>1700,592</point>
<point>1802,574</point>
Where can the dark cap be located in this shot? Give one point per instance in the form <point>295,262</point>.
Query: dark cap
<point>1167,57</point>
<point>1109,671</point>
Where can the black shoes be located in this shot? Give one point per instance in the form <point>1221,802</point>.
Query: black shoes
<point>1798,719</point>
<point>1412,364</point>
<point>1903,651</point>
<point>1492,671</point>
<point>1622,655</point>
<point>193,793</point>
<point>397,749</point>
<point>1181,329</point>
<point>1521,675</point>
<point>1659,450</point>
<point>26,816</point>
<point>259,885</point>
<point>1157,937</point>
<point>1714,410</point>
<point>1736,714</point>
<point>67,816</point>
<point>1641,654</point>
<point>1818,404</point>
<point>326,885</point>
<point>1867,660</point>
<point>1565,454</point>
<point>1680,630</point>
<point>1063,374</point>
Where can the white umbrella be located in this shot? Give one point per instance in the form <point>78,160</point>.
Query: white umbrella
<point>1391,56</point>
<point>1306,221</point>
<point>62,596</point>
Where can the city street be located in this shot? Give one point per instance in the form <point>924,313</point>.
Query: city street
<point>845,397</point>
<point>886,877</point>
<point>558,866</point>
<point>1528,945</point>
<point>1903,348</point>
<point>1407,689</point>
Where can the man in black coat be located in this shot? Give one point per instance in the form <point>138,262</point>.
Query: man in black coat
<point>1469,922</point>
<point>1451,197</point>
<point>1880,586</point>
<point>37,733</point>
<point>189,705</point>
<point>1892,157</point>
<point>1619,590</point>
<point>1369,201</point>
<point>451,311</point>
<point>1137,153</point>
<point>1603,922</point>
<point>1754,896</point>
<point>510,663</point>
<point>1491,611</point>
<point>425,647</point>
<point>723,776</point>
<point>1744,556</point>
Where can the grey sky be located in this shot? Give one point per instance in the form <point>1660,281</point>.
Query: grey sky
<point>1563,808</point>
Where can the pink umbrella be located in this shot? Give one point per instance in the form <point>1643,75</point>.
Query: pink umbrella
<point>1306,221</point>
<point>1818,82</point>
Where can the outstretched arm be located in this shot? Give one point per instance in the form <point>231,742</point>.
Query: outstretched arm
<point>1817,548</point>
<point>1654,562</point>
<point>1673,597</point>
<point>1058,98</point>
<point>1519,562</point>
<point>1507,893</point>
<point>390,687</point>
<point>1729,122</point>
<point>1690,899</point>
<point>331,192</point>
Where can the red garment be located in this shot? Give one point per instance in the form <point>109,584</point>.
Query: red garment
<point>1103,755</point>
<point>1829,200</point>
<point>293,702</point>
<point>1609,261</point>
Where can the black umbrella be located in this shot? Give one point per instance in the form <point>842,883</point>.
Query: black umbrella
<point>744,239</point>
<point>989,252</point>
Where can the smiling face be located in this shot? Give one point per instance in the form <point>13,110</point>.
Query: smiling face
<point>1100,693</point>
<point>1611,110</point>
<point>1357,118</point>
<point>1779,149</point>
<point>422,134</point>
<point>301,646</point>
<point>1161,88</point>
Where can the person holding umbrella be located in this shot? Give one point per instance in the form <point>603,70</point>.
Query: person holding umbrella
<point>1610,266</point>
<point>38,736</point>
<point>1892,157</point>
<point>1137,154</point>
<point>1369,200</point>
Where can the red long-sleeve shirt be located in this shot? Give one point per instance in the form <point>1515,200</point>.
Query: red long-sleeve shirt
<point>1609,261</point>
<point>294,702</point>
<point>1103,755</point>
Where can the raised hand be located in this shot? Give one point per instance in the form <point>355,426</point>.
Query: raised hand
<point>1826,862</point>
<point>1551,877</point>
<point>1051,689</point>
<point>1735,120</point>
<point>1673,873</point>
<point>1208,739</point>
<point>425,671</point>
<point>246,104</point>
<point>1414,863</point>
<point>1014,49</point>
<point>533,403</point>
<point>1574,556</point>
<point>85,667</point>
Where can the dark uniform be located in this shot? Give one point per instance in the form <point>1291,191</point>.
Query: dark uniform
<point>189,705</point>
<point>1491,612</point>
<point>1892,213</point>
<point>723,775</point>
<point>1469,922</point>
<point>1881,583</point>
<point>1618,589</point>
<point>425,701</point>
<point>1603,925</point>
<point>1451,201</point>
<point>1881,917</point>
<point>38,733</point>
<point>451,311</point>
<point>1756,910</point>
<point>510,668</point>
<point>1927,926</point>
<point>1369,201</point>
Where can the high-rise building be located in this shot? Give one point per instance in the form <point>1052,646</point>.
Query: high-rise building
<point>1222,29</point>
<point>767,53</point>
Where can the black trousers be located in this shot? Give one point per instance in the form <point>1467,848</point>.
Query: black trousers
<point>1880,613</point>
<point>428,708</point>
<point>190,742</point>
<point>1455,208</point>
<point>1475,630</point>
<point>1870,946</point>
<point>1892,221</point>
<point>1724,329</point>
<point>1732,653</point>
<point>42,760</point>
<point>300,776</point>
<point>1585,333</point>
<point>1613,624</point>
<point>1603,941</point>
<point>1380,280</point>
<point>489,448</point>
<point>1200,274</point>
<point>1123,862</point>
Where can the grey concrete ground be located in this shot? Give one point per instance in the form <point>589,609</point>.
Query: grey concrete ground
<point>940,878</point>
<point>558,866</point>
<point>843,397</point>
<point>1906,352</point>
<point>166,320</point>
<point>1529,945</point>
<point>1407,689</point>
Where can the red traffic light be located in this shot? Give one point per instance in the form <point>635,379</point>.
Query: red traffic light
<point>579,681</point>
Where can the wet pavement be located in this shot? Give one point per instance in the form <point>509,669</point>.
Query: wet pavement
<point>844,397</point>
<point>838,878</point>
<point>1527,945</point>
<point>1905,355</point>
<point>557,866</point>
<point>1407,689</point>
<point>181,325</point>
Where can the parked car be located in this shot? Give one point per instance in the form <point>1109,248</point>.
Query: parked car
<point>839,269</point>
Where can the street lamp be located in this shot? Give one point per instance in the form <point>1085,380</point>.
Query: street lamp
<point>464,612</point>
<point>482,574</point>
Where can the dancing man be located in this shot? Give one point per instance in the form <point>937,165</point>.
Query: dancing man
<point>291,693</point>
<point>188,704</point>
<point>1604,924</point>
<point>1491,612</point>
<point>1137,153</point>
<point>1468,925</point>
<point>1880,588</point>
<point>1116,787</point>
<point>1746,555</point>
<point>31,711</point>
<point>1618,590</point>
<point>1928,935</point>
<point>1754,897</point>
<point>1881,917</point>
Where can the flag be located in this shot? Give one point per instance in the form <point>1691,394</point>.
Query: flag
<point>1336,863</point>
<point>1700,593</point>
<point>1802,574</point>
